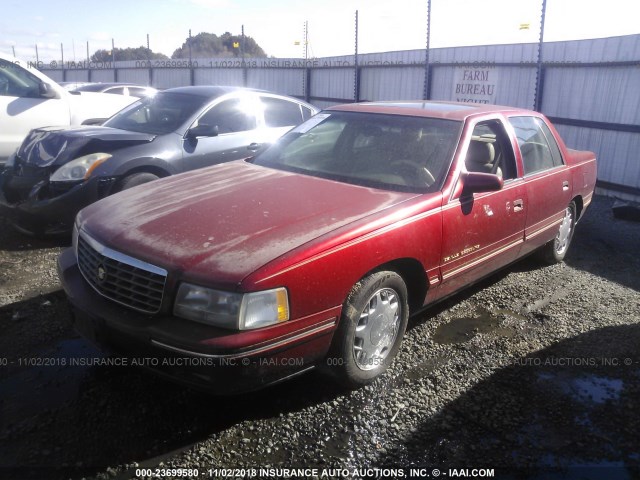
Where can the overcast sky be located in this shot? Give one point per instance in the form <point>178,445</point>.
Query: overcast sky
<point>385,25</point>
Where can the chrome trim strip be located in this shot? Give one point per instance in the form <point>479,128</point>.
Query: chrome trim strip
<point>542,230</point>
<point>467,266</point>
<point>255,351</point>
<point>121,257</point>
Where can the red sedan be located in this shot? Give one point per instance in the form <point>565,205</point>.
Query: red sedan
<point>317,251</point>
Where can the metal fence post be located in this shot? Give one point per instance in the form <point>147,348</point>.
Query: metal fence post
<point>537,99</point>
<point>426,92</point>
<point>356,79</point>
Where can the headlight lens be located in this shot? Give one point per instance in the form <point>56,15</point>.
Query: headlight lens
<point>232,310</point>
<point>80,168</point>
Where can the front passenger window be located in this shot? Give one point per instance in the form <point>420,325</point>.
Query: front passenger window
<point>490,151</point>
<point>17,82</point>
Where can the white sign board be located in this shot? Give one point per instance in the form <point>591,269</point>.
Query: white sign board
<point>475,84</point>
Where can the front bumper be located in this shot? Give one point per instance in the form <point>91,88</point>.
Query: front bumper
<point>44,213</point>
<point>184,351</point>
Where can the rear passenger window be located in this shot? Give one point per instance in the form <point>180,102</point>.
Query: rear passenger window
<point>537,145</point>
<point>306,113</point>
<point>281,113</point>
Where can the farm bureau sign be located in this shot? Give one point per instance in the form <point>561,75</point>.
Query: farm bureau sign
<point>475,84</point>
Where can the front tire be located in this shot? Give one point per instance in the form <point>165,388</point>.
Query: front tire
<point>373,322</point>
<point>556,249</point>
<point>136,179</point>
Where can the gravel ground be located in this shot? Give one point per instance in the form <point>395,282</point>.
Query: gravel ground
<point>533,372</point>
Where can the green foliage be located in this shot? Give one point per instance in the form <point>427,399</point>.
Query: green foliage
<point>140,53</point>
<point>208,45</point>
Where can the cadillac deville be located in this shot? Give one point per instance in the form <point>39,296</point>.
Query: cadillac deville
<point>316,252</point>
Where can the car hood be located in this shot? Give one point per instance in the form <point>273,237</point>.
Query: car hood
<point>220,224</point>
<point>58,145</point>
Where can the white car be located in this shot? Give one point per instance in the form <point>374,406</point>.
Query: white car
<point>29,99</point>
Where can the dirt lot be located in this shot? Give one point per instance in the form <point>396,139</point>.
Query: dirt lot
<point>533,372</point>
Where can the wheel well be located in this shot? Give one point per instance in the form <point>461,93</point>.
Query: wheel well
<point>141,169</point>
<point>413,274</point>
<point>579,206</point>
<point>147,169</point>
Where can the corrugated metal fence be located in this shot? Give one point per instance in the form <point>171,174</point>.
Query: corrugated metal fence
<point>589,88</point>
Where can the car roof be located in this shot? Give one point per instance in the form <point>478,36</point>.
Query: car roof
<point>207,90</point>
<point>214,91</point>
<point>90,86</point>
<point>428,108</point>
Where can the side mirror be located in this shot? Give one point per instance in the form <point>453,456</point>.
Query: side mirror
<point>203,130</point>
<point>47,91</point>
<point>476,182</point>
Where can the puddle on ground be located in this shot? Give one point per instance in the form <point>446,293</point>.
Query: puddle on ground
<point>339,446</point>
<point>48,380</point>
<point>586,388</point>
<point>425,368</point>
<point>460,330</point>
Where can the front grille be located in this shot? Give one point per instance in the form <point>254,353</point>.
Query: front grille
<point>121,278</point>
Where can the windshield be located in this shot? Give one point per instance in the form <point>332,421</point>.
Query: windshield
<point>160,114</point>
<point>378,150</point>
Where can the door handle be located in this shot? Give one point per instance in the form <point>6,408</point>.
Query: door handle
<point>565,186</point>
<point>518,205</point>
<point>254,146</point>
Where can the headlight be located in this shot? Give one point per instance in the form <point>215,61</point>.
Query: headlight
<point>80,168</point>
<point>232,310</point>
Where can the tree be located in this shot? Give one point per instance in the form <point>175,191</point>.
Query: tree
<point>140,53</point>
<point>207,45</point>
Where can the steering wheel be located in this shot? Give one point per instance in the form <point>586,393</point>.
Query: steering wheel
<point>414,175</point>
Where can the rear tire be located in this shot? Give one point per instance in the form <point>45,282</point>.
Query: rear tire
<point>555,250</point>
<point>136,179</point>
<point>374,318</point>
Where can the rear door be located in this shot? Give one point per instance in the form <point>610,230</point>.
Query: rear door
<point>547,179</point>
<point>483,231</point>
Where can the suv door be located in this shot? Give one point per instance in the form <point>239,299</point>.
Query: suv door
<point>236,121</point>
<point>547,180</point>
<point>483,231</point>
<point>22,107</point>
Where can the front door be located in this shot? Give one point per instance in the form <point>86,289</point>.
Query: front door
<point>484,231</point>
<point>238,136</point>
